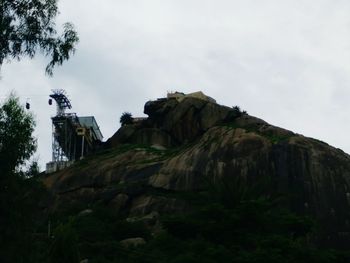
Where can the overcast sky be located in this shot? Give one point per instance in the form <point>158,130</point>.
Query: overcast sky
<point>285,61</point>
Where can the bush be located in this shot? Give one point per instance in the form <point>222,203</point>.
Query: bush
<point>126,118</point>
<point>65,246</point>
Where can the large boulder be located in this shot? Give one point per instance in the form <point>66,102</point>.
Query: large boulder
<point>172,123</point>
<point>132,242</point>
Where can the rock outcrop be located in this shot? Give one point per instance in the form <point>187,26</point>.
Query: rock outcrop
<point>173,123</point>
<point>200,140</point>
<point>133,242</point>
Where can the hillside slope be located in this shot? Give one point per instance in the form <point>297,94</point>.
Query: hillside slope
<point>184,145</point>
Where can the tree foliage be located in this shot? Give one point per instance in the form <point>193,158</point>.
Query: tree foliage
<point>27,26</point>
<point>231,220</point>
<point>17,142</point>
<point>126,118</point>
<point>64,248</point>
<point>20,191</point>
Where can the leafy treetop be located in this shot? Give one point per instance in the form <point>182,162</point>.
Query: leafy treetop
<point>27,26</point>
<point>126,118</point>
<point>17,143</point>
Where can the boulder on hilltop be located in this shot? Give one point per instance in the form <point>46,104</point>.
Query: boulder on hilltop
<point>172,123</point>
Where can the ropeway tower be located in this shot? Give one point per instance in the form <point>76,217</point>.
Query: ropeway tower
<point>72,137</point>
<point>62,128</point>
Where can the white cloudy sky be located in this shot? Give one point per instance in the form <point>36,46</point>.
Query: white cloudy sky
<point>285,61</point>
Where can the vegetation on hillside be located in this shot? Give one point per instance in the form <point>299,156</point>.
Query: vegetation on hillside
<point>20,192</point>
<point>228,222</point>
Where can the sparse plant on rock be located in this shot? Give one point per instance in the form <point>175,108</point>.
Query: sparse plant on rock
<point>238,112</point>
<point>236,108</point>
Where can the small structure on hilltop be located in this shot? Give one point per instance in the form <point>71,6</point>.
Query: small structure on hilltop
<point>72,137</point>
<point>179,96</point>
<point>138,119</point>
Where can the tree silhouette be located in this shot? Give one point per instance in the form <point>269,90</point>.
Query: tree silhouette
<point>28,26</point>
<point>126,118</point>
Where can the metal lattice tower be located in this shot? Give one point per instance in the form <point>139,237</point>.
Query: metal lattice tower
<point>72,137</point>
<point>63,103</point>
<point>63,128</point>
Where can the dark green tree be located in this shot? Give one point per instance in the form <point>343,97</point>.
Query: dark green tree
<point>19,196</point>
<point>64,248</point>
<point>126,118</point>
<point>28,26</point>
<point>17,143</point>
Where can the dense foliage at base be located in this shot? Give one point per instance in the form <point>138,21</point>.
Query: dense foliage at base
<point>217,229</point>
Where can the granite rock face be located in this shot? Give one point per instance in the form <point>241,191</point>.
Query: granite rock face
<point>202,140</point>
<point>173,123</point>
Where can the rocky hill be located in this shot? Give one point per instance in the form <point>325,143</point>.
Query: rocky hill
<point>186,144</point>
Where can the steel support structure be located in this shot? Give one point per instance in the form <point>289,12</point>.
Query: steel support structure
<point>64,138</point>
